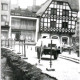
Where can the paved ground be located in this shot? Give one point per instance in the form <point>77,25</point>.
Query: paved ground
<point>72,57</point>
<point>64,69</point>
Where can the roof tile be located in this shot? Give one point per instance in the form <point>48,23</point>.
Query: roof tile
<point>73,3</point>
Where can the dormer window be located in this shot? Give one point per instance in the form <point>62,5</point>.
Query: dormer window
<point>65,12</point>
<point>53,11</point>
<point>60,3</point>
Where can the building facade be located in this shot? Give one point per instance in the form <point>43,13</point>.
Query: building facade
<point>55,18</point>
<point>58,19</point>
<point>23,26</point>
<point>75,38</point>
<point>5,18</point>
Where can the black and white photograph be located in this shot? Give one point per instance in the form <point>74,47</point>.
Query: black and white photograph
<point>40,39</point>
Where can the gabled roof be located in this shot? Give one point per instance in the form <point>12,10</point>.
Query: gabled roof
<point>73,3</point>
<point>43,7</point>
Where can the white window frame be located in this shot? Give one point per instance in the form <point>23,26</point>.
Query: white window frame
<point>4,6</point>
<point>2,17</point>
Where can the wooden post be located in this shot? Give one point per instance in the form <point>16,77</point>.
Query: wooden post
<point>40,52</point>
<point>11,43</point>
<point>1,43</point>
<point>8,42</point>
<point>50,69</point>
<point>24,49</point>
<point>5,42</point>
<point>14,44</point>
<point>19,45</point>
<point>19,48</point>
<point>51,55</point>
<point>77,53</point>
<point>69,50</point>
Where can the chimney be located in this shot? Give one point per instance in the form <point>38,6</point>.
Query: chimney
<point>34,2</point>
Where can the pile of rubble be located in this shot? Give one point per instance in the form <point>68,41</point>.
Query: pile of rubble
<point>23,70</point>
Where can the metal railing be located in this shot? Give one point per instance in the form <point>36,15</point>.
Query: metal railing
<point>19,46</point>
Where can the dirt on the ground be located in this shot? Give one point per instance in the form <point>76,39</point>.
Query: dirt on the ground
<point>6,72</point>
<point>15,68</point>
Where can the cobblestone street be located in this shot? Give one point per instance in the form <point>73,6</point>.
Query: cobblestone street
<point>64,69</point>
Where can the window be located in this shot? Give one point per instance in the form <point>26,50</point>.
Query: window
<point>4,6</point>
<point>44,36</point>
<point>34,23</point>
<point>3,17</point>
<point>54,37</point>
<point>53,11</point>
<point>60,3</point>
<point>65,12</point>
<point>17,36</point>
<point>64,40</point>
<point>53,24</point>
<point>64,24</point>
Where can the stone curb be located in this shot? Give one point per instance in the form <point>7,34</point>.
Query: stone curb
<point>76,60</point>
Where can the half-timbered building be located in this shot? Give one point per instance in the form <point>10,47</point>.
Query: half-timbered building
<point>58,19</point>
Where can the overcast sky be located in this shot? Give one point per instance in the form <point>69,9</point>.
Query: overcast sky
<point>25,3</point>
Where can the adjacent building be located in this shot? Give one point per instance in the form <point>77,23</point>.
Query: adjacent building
<point>24,25</point>
<point>5,18</point>
<point>55,18</point>
<point>76,38</point>
<point>58,18</point>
